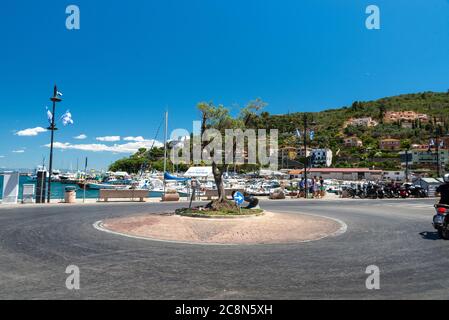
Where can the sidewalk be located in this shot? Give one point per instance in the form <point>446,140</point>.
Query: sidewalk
<point>60,202</point>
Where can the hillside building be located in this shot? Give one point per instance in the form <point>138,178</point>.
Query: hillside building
<point>390,144</point>
<point>353,142</point>
<point>362,122</point>
<point>321,157</point>
<point>407,116</point>
<point>425,157</point>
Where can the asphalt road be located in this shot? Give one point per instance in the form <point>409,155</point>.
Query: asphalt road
<point>38,243</point>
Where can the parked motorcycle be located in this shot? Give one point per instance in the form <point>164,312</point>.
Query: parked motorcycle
<point>441,221</point>
<point>408,190</point>
<point>391,192</point>
<point>360,192</point>
<point>374,191</point>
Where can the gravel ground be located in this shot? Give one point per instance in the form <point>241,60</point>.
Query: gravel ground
<point>271,228</point>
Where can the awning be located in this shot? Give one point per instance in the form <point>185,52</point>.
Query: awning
<point>199,172</point>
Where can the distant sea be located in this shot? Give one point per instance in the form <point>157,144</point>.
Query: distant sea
<point>57,189</point>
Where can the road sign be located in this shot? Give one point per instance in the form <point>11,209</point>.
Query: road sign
<point>10,187</point>
<point>239,198</point>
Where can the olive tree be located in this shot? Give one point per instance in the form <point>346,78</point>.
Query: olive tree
<point>218,119</point>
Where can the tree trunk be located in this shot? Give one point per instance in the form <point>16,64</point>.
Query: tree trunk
<point>218,177</point>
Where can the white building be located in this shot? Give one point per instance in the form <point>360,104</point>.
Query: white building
<point>395,175</point>
<point>425,157</point>
<point>365,122</point>
<point>321,157</point>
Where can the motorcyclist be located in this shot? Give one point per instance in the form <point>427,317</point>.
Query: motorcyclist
<point>443,190</point>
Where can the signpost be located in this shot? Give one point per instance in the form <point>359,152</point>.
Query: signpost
<point>28,193</point>
<point>239,199</point>
<point>194,186</point>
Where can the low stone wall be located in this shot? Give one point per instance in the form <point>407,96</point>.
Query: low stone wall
<point>123,194</point>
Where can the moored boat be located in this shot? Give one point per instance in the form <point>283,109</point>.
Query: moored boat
<point>100,186</point>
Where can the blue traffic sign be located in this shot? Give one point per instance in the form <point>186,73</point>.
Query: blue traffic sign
<point>239,198</point>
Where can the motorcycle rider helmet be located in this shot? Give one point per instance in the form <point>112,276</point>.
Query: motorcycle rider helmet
<point>446,178</point>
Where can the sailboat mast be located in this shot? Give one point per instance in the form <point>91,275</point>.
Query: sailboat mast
<point>165,150</point>
<point>165,141</point>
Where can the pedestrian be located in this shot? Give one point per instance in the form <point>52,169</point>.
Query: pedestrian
<point>322,188</point>
<point>316,188</point>
<point>301,186</point>
<point>312,187</point>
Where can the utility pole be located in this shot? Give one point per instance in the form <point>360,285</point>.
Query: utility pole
<point>406,165</point>
<point>438,151</point>
<point>52,128</point>
<point>306,161</point>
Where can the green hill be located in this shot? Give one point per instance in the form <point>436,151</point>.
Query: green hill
<point>330,131</point>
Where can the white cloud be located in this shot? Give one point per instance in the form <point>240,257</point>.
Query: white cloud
<point>80,137</point>
<point>136,139</point>
<point>30,132</point>
<point>2,157</point>
<point>109,139</point>
<point>18,151</point>
<point>131,147</point>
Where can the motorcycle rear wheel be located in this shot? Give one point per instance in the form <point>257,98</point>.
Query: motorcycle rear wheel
<point>443,232</point>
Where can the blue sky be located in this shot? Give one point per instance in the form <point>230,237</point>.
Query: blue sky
<point>133,59</point>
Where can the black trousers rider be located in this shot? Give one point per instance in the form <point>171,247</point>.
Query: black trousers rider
<point>443,190</point>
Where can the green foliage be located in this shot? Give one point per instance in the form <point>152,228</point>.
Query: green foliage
<point>196,212</point>
<point>144,159</point>
<point>330,131</point>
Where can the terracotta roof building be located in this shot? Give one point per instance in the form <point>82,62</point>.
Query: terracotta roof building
<point>349,174</point>
<point>390,144</point>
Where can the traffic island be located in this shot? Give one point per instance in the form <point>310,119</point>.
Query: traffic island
<point>201,212</point>
<point>266,228</point>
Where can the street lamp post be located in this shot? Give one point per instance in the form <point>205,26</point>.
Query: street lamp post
<point>306,184</point>
<point>52,128</point>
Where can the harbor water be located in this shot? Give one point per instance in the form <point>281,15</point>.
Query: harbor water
<point>58,189</point>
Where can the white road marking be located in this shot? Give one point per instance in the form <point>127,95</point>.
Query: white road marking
<point>343,228</point>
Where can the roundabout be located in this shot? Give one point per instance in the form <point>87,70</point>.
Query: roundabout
<point>37,243</point>
<point>268,228</point>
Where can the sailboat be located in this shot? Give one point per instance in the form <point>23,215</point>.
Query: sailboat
<point>171,182</point>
